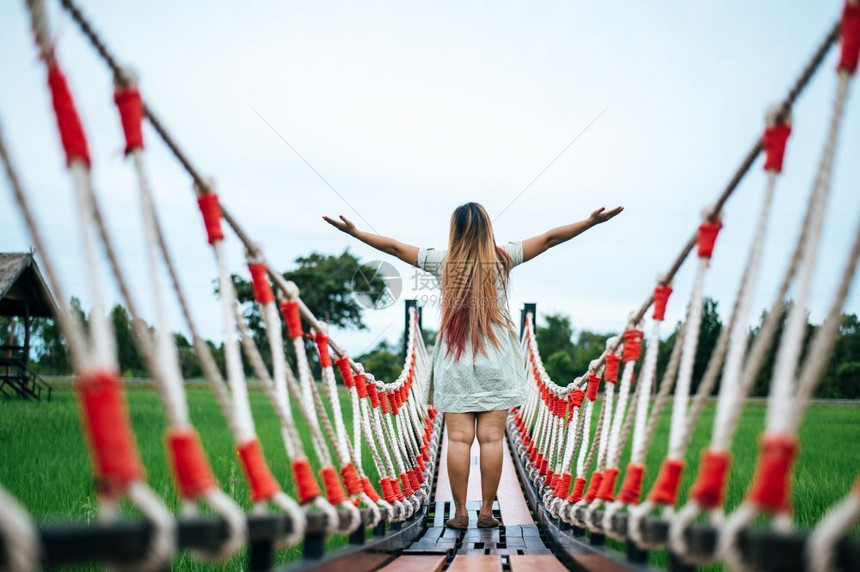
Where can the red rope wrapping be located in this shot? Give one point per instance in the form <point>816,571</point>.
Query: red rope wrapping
<point>576,397</point>
<point>293,317</point>
<point>850,30</point>
<point>114,455</point>
<point>387,490</point>
<point>263,485</point>
<point>562,485</point>
<point>130,107</point>
<point>708,232</point>
<point>544,466</point>
<point>593,486</point>
<point>306,484</point>
<point>709,489</point>
<point>578,487</point>
<point>68,121</point>
<point>665,489</point>
<point>593,385</point>
<point>369,490</point>
<point>558,405</point>
<point>333,489</point>
<point>774,140</point>
<point>632,345</point>
<point>610,375</point>
<point>661,298</point>
<point>414,481</point>
<point>631,487</point>
<point>322,346</point>
<point>551,478</point>
<point>191,471</point>
<point>262,289</point>
<point>360,385</point>
<point>398,492</point>
<point>350,478</point>
<point>345,371</point>
<point>371,392</point>
<point>210,208</point>
<point>771,486</point>
<point>606,491</point>
<point>407,485</point>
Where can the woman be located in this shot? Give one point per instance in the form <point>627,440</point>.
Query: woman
<point>477,373</point>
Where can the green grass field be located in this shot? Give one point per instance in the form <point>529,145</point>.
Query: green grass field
<point>44,463</point>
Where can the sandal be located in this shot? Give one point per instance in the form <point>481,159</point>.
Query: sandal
<point>487,521</point>
<point>458,522</point>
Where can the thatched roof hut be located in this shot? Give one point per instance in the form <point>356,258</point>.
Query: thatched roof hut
<point>23,291</point>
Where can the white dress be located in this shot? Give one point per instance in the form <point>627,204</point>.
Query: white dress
<point>477,382</point>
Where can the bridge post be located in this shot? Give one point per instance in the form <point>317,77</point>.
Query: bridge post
<point>410,303</point>
<point>528,308</point>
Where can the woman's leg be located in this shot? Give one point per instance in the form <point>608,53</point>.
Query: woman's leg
<point>491,433</point>
<point>461,433</point>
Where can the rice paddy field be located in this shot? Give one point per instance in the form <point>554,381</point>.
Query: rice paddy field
<point>44,462</point>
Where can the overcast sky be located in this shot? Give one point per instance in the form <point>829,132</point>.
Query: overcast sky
<point>409,109</point>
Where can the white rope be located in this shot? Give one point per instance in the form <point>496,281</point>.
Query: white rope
<point>259,367</point>
<point>167,374</point>
<point>783,386</point>
<point>99,350</point>
<point>233,360</point>
<point>825,338</point>
<point>646,381</point>
<point>731,394</point>
<point>795,327</point>
<point>821,545</point>
<point>688,359</point>
<point>21,542</point>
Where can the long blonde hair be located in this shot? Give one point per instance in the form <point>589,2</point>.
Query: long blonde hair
<point>470,275</point>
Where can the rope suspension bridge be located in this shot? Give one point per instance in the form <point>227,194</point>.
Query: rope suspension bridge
<point>563,490</point>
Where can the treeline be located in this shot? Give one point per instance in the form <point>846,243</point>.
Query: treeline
<point>567,353</point>
<point>327,281</point>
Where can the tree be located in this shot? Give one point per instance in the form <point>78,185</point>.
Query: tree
<point>761,387</point>
<point>559,367</point>
<point>555,336</point>
<point>841,379</point>
<point>128,354</point>
<point>565,359</point>
<point>326,283</point>
<point>189,363</point>
<point>709,331</point>
<point>383,361</point>
<point>589,346</point>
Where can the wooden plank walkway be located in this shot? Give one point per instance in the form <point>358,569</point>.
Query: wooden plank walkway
<point>516,545</point>
<point>514,510</point>
<point>417,563</point>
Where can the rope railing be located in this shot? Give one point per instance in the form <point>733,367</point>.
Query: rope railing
<point>551,433</point>
<point>388,416</point>
<point>594,509</point>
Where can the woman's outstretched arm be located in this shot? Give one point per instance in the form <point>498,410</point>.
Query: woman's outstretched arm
<point>539,244</point>
<point>405,252</point>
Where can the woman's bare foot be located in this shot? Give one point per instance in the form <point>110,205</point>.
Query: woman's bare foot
<point>487,521</point>
<point>459,522</point>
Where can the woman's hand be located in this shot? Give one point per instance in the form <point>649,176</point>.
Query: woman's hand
<point>539,244</point>
<point>405,252</point>
<point>603,215</point>
<point>343,225</point>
